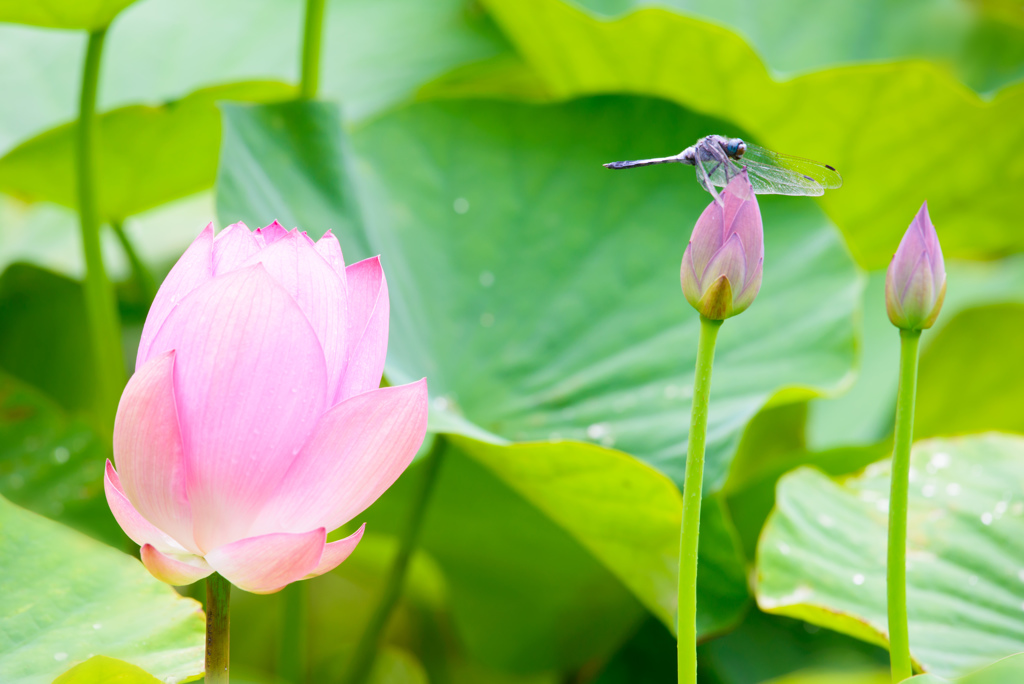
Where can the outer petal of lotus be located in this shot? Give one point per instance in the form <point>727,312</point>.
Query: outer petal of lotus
<point>707,238</point>
<point>688,278</point>
<point>194,268</point>
<point>369,313</point>
<point>912,246</point>
<point>233,247</point>
<point>929,321</point>
<point>336,552</point>
<point>320,293</point>
<point>893,305</point>
<point>729,261</point>
<point>138,529</point>
<point>737,194</point>
<point>265,564</point>
<point>747,224</point>
<point>330,249</point>
<point>932,247</point>
<point>359,449</point>
<point>753,285</point>
<point>174,569</point>
<point>918,298</point>
<point>268,235</point>
<point>149,452</point>
<point>251,384</point>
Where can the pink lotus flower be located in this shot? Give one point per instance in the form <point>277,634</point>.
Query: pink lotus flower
<point>254,423</point>
<point>721,271</point>
<point>915,284</point>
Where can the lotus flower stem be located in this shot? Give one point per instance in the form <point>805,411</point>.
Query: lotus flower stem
<point>218,629</point>
<point>686,626</point>
<point>143,276</point>
<point>100,301</point>
<point>366,651</point>
<point>292,664</point>
<point>899,639</point>
<point>311,49</point>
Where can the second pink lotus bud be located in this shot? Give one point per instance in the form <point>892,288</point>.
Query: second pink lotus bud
<point>915,284</point>
<point>721,271</point>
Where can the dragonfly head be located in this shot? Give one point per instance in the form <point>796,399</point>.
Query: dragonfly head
<point>735,147</point>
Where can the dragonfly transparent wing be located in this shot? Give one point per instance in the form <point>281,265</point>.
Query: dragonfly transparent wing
<point>771,173</point>
<point>780,174</point>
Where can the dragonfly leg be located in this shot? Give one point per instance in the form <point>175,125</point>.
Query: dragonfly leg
<point>705,179</point>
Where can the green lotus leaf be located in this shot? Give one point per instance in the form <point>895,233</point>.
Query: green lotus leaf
<point>68,598</point>
<point>822,554</point>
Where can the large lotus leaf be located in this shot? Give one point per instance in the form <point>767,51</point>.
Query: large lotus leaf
<point>1006,671</point>
<point>823,551</point>
<point>889,128</point>
<point>146,156</point>
<point>864,413</point>
<point>375,53</point>
<point>797,36</point>
<point>538,292</point>
<point>68,597</point>
<point>63,14</point>
<point>103,670</point>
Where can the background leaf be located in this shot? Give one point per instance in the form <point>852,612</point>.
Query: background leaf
<point>68,597</point>
<point>375,54</point>
<point>981,46</point>
<point>146,156</point>
<point>822,554</point>
<point>63,14</point>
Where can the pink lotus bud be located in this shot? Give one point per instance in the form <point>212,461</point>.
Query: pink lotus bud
<point>915,284</point>
<point>721,272</point>
<point>254,423</point>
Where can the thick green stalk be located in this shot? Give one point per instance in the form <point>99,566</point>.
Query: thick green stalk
<point>686,625</point>
<point>311,49</point>
<point>292,661</point>
<point>366,650</point>
<point>218,629</point>
<point>100,300</point>
<point>143,277</point>
<point>899,637</point>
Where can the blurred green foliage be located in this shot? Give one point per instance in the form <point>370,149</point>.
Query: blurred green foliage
<point>538,293</point>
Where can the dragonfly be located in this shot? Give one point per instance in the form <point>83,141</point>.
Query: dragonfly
<point>718,159</point>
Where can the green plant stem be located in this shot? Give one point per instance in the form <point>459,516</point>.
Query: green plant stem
<point>899,636</point>
<point>686,625</point>
<point>369,642</point>
<point>218,629</point>
<point>292,661</point>
<point>311,49</point>
<point>100,300</point>
<point>143,276</point>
